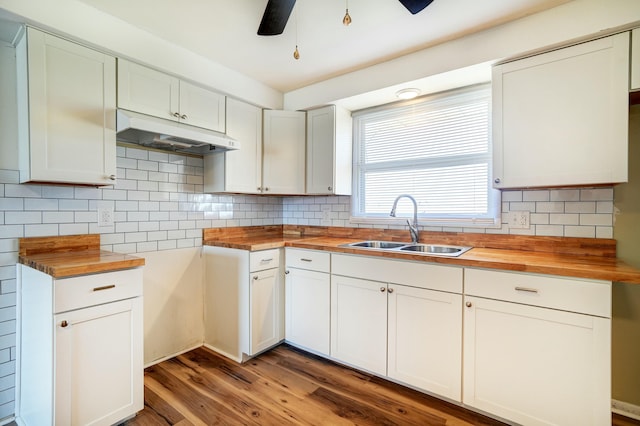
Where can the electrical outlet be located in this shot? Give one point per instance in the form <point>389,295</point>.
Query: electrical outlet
<point>105,216</point>
<point>519,220</point>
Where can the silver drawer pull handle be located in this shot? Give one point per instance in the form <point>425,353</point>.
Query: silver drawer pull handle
<point>105,287</point>
<point>306,260</point>
<point>527,289</point>
<point>266,260</point>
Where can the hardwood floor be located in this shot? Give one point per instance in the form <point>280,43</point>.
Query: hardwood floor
<point>286,386</point>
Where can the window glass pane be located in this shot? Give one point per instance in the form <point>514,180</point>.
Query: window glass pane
<point>437,149</point>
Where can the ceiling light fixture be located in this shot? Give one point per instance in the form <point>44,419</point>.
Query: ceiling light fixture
<point>407,93</point>
<point>296,53</point>
<point>347,18</point>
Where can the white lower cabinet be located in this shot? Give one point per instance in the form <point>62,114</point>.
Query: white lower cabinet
<point>243,307</point>
<point>531,364</point>
<point>387,318</point>
<point>80,345</point>
<point>424,341</point>
<point>359,323</point>
<point>307,295</point>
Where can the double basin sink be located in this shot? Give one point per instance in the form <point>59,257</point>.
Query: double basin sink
<point>413,248</point>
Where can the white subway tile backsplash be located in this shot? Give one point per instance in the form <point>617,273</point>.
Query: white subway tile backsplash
<point>565,195</point>
<point>580,207</point>
<point>11,204</point>
<point>41,204</point>
<point>596,194</point>
<point>73,205</point>
<point>548,207</point>
<point>580,231</point>
<point>23,191</point>
<point>538,195</point>
<point>15,218</point>
<point>40,230</point>
<point>138,154</point>
<point>564,219</point>
<point>151,166</point>
<point>57,191</point>
<point>596,219</point>
<point>137,174</point>
<point>88,193</point>
<point>73,228</point>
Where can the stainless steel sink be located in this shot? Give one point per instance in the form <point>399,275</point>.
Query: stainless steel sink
<point>377,244</point>
<point>435,249</point>
<point>425,249</point>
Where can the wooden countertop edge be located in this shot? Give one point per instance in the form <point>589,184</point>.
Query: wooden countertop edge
<point>64,265</point>
<point>586,267</point>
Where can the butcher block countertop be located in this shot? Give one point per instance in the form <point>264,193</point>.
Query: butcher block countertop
<point>593,258</point>
<point>72,255</point>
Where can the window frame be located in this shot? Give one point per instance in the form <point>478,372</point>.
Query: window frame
<point>493,217</point>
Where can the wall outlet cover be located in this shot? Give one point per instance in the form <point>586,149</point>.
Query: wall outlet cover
<point>519,219</point>
<point>105,216</point>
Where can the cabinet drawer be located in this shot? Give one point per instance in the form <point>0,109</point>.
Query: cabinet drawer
<point>575,295</point>
<point>313,260</point>
<point>266,259</point>
<point>415,274</point>
<point>89,290</point>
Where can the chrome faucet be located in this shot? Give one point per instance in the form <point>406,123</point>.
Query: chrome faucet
<point>413,228</point>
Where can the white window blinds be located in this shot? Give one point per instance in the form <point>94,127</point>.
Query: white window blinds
<point>437,149</point>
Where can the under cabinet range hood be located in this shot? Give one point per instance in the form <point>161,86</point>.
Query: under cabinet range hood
<point>153,132</point>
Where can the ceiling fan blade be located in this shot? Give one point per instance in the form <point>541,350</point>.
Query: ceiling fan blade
<point>275,17</point>
<point>415,6</point>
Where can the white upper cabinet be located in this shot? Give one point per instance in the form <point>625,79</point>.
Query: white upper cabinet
<point>560,118</point>
<point>329,136</point>
<point>151,92</point>
<point>283,152</point>
<point>238,170</point>
<point>67,105</point>
<point>635,59</point>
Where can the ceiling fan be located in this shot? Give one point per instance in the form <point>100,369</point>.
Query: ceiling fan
<point>277,13</point>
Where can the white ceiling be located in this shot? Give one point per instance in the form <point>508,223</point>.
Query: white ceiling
<point>225,31</point>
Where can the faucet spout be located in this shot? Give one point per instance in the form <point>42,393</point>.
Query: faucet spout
<point>413,227</point>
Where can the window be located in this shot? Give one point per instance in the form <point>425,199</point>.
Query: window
<point>437,149</point>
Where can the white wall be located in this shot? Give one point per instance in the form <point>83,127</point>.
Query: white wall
<point>571,20</point>
<point>173,307</point>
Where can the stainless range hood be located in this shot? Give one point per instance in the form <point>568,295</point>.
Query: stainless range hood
<point>167,135</point>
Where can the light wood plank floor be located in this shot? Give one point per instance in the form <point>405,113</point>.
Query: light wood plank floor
<point>286,386</point>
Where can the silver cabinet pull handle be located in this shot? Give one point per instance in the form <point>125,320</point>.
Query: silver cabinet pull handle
<point>287,272</point>
<point>390,290</point>
<point>255,278</point>
<point>266,260</point>
<point>383,289</point>
<point>306,260</point>
<point>469,304</point>
<point>104,287</point>
<point>112,177</point>
<point>176,114</point>
<point>527,289</point>
<point>183,116</point>
<point>497,180</point>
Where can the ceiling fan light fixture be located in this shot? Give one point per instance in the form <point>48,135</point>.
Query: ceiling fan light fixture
<point>347,18</point>
<point>407,93</point>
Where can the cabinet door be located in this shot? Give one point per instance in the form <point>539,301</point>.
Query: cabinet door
<point>536,366</point>
<point>359,323</point>
<point>320,150</point>
<point>98,361</point>
<point>560,118</point>
<point>238,170</point>
<point>264,313</point>
<point>71,112</point>
<point>425,339</point>
<point>201,107</point>
<point>283,161</point>
<point>329,136</point>
<point>307,317</point>
<point>148,91</point>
